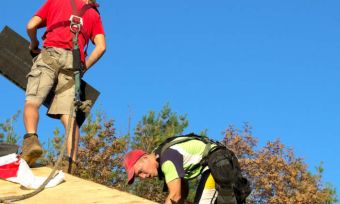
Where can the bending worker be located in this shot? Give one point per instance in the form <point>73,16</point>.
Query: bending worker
<point>69,24</point>
<point>181,158</point>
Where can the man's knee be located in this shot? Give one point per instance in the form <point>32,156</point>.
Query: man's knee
<point>32,105</point>
<point>65,119</point>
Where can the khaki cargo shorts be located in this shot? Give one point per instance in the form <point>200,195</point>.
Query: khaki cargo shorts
<point>44,78</point>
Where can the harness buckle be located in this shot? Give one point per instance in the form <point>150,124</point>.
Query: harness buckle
<point>76,23</point>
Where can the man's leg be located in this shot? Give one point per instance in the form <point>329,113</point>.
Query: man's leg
<point>31,149</point>
<point>206,191</point>
<point>73,137</point>
<point>40,81</point>
<point>31,116</point>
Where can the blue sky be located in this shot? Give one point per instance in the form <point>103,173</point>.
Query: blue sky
<point>274,64</point>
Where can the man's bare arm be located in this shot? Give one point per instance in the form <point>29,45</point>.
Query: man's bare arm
<point>175,192</point>
<point>98,51</point>
<point>32,28</point>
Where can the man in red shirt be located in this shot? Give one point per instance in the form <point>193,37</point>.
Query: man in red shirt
<point>50,67</point>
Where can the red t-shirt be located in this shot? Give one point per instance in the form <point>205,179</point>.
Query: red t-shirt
<point>55,11</point>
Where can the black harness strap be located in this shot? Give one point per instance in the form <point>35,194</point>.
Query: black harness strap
<point>76,26</point>
<point>185,138</point>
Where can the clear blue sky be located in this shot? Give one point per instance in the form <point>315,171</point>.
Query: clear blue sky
<point>274,64</point>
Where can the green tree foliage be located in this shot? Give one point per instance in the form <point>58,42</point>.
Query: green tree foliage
<point>7,133</point>
<point>153,129</point>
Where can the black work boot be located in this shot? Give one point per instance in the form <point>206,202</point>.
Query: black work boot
<point>31,148</point>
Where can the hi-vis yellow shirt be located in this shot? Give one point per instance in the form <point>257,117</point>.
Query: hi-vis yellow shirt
<point>177,160</point>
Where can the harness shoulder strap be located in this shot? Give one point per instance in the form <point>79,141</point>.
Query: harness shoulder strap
<point>184,138</point>
<point>75,12</point>
<point>74,7</point>
<point>162,147</point>
<point>87,7</point>
<point>171,141</point>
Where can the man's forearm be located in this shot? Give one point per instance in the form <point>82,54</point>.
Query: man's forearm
<point>32,34</point>
<point>175,192</point>
<point>96,54</point>
<point>31,28</point>
<point>98,51</point>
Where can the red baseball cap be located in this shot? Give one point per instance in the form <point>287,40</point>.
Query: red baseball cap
<point>130,160</point>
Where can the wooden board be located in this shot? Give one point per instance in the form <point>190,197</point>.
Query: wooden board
<point>16,62</point>
<point>73,191</point>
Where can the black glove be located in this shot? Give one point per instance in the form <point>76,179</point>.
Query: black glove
<point>35,52</point>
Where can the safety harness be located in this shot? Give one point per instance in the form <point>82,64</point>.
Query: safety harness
<point>211,145</point>
<point>75,23</point>
<point>240,187</point>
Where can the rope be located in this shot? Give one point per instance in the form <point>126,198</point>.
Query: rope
<point>10,199</point>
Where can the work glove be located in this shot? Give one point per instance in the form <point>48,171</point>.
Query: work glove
<point>34,49</point>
